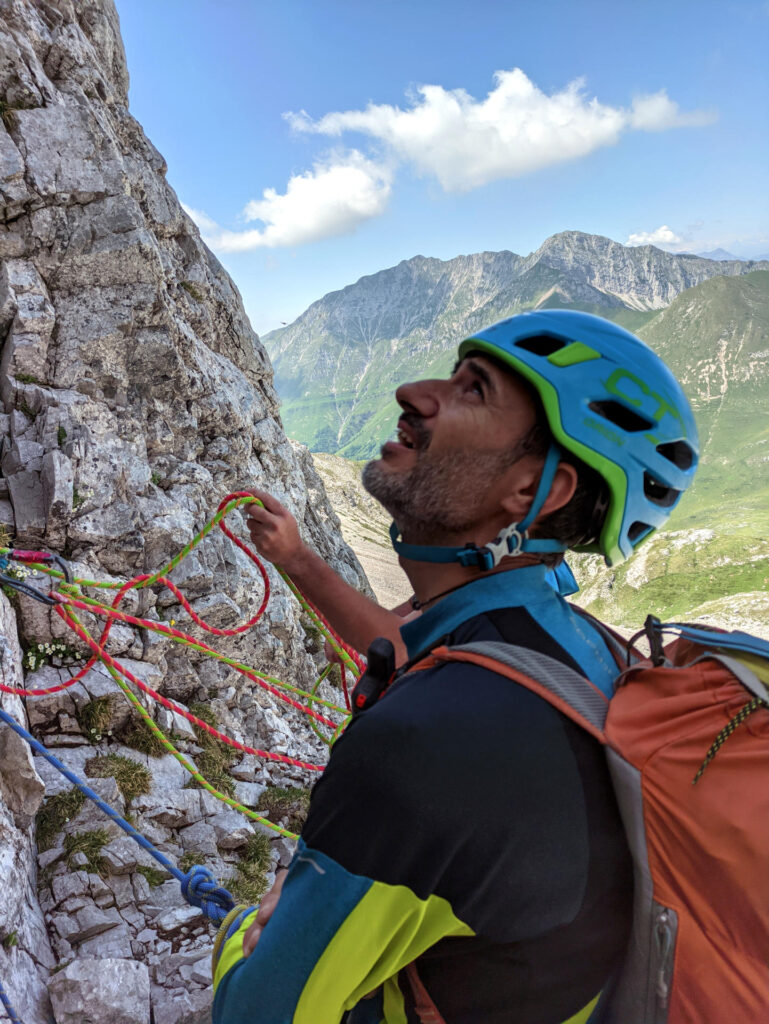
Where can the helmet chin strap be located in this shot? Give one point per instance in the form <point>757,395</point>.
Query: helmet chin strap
<point>511,541</point>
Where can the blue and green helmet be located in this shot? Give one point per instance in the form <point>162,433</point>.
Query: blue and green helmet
<point>612,402</point>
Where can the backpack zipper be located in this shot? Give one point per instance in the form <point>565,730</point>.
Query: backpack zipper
<point>664,935</point>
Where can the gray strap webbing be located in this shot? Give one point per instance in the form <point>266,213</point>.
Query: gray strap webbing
<point>749,679</point>
<point>562,681</point>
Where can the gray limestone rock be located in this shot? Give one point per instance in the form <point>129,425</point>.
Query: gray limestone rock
<point>85,923</point>
<point>173,921</point>
<point>26,491</point>
<point>181,1006</point>
<point>107,991</point>
<point>135,396</point>
<point>232,830</point>
<point>248,793</point>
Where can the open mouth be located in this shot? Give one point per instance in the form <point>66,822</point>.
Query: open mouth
<point>404,436</point>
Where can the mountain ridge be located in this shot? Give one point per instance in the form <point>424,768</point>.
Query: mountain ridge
<point>338,362</point>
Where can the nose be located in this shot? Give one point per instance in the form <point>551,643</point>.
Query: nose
<point>420,396</point>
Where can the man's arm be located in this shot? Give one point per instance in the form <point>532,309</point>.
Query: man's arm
<point>349,919</point>
<point>356,618</point>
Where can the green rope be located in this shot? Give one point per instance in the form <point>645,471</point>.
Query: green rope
<point>187,765</point>
<point>218,656</point>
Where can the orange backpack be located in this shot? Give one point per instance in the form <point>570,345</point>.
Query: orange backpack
<point>687,740</point>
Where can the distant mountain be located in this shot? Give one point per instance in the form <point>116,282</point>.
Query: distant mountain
<point>711,563</point>
<point>719,254</point>
<point>337,366</point>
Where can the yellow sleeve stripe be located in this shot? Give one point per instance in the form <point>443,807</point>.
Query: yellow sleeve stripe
<point>393,1004</point>
<point>388,928</point>
<point>230,951</point>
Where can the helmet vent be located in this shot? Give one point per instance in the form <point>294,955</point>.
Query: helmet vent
<point>677,452</point>
<point>658,493</point>
<point>638,531</point>
<point>626,419</point>
<point>541,345</point>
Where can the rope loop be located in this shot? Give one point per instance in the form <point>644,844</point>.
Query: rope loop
<point>201,889</point>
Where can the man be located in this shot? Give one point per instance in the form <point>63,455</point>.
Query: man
<point>463,859</point>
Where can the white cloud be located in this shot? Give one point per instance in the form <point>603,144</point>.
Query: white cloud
<point>202,220</point>
<point>515,130</point>
<point>662,236</point>
<point>658,113</point>
<point>337,195</point>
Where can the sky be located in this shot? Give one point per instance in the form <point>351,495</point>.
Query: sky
<point>318,141</point>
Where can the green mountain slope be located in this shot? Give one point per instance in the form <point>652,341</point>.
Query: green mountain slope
<point>337,366</point>
<point>713,560</point>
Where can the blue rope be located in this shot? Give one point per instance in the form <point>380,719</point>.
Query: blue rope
<point>199,887</point>
<point>12,1015</point>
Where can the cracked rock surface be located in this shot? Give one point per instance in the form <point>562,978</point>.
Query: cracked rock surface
<point>135,396</point>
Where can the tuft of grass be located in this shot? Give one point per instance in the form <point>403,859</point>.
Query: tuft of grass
<point>156,478</point>
<point>61,436</point>
<point>78,499</point>
<point>216,757</point>
<point>250,882</point>
<point>54,814</point>
<point>190,859</point>
<point>190,288</point>
<point>139,736</point>
<point>312,632</point>
<point>132,779</point>
<point>27,409</point>
<point>90,844</point>
<point>94,718</point>
<point>60,967</point>
<point>27,378</point>
<point>290,803</point>
<point>10,940</point>
<point>154,876</point>
<point>8,116</point>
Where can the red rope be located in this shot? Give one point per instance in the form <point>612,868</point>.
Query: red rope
<point>171,705</point>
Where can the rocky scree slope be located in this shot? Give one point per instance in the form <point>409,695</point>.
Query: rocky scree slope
<point>135,396</point>
<point>338,364</point>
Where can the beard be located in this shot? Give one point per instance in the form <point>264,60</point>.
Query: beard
<point>442,494</point>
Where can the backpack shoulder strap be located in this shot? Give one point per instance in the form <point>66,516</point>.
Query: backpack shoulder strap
<point>622,650</point>
<point>567,690</point>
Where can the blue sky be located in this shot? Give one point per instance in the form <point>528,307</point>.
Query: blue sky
<point>321,141</point>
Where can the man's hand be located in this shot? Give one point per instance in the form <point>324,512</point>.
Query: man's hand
<point>266,908</point>
<point>274,531</point>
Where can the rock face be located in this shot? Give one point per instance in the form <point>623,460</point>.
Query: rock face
<point>110,991</point>
<point>135,397</point>
<point>336,365</point>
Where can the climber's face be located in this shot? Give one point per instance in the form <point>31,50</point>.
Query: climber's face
<point>457,456</point>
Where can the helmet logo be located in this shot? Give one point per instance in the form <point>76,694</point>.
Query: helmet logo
<point>603,428</point>
<point>626,385</point>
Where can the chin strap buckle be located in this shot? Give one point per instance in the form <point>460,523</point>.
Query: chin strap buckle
<point>509,542</point>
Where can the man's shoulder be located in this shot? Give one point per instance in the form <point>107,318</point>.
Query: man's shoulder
<point>517,626</point>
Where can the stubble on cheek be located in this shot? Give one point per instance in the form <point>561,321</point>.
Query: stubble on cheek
<point>439,496</point>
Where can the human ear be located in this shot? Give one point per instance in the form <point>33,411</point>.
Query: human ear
<point>519,499</point>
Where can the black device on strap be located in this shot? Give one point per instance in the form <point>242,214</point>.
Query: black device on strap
<point>379,671</point>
